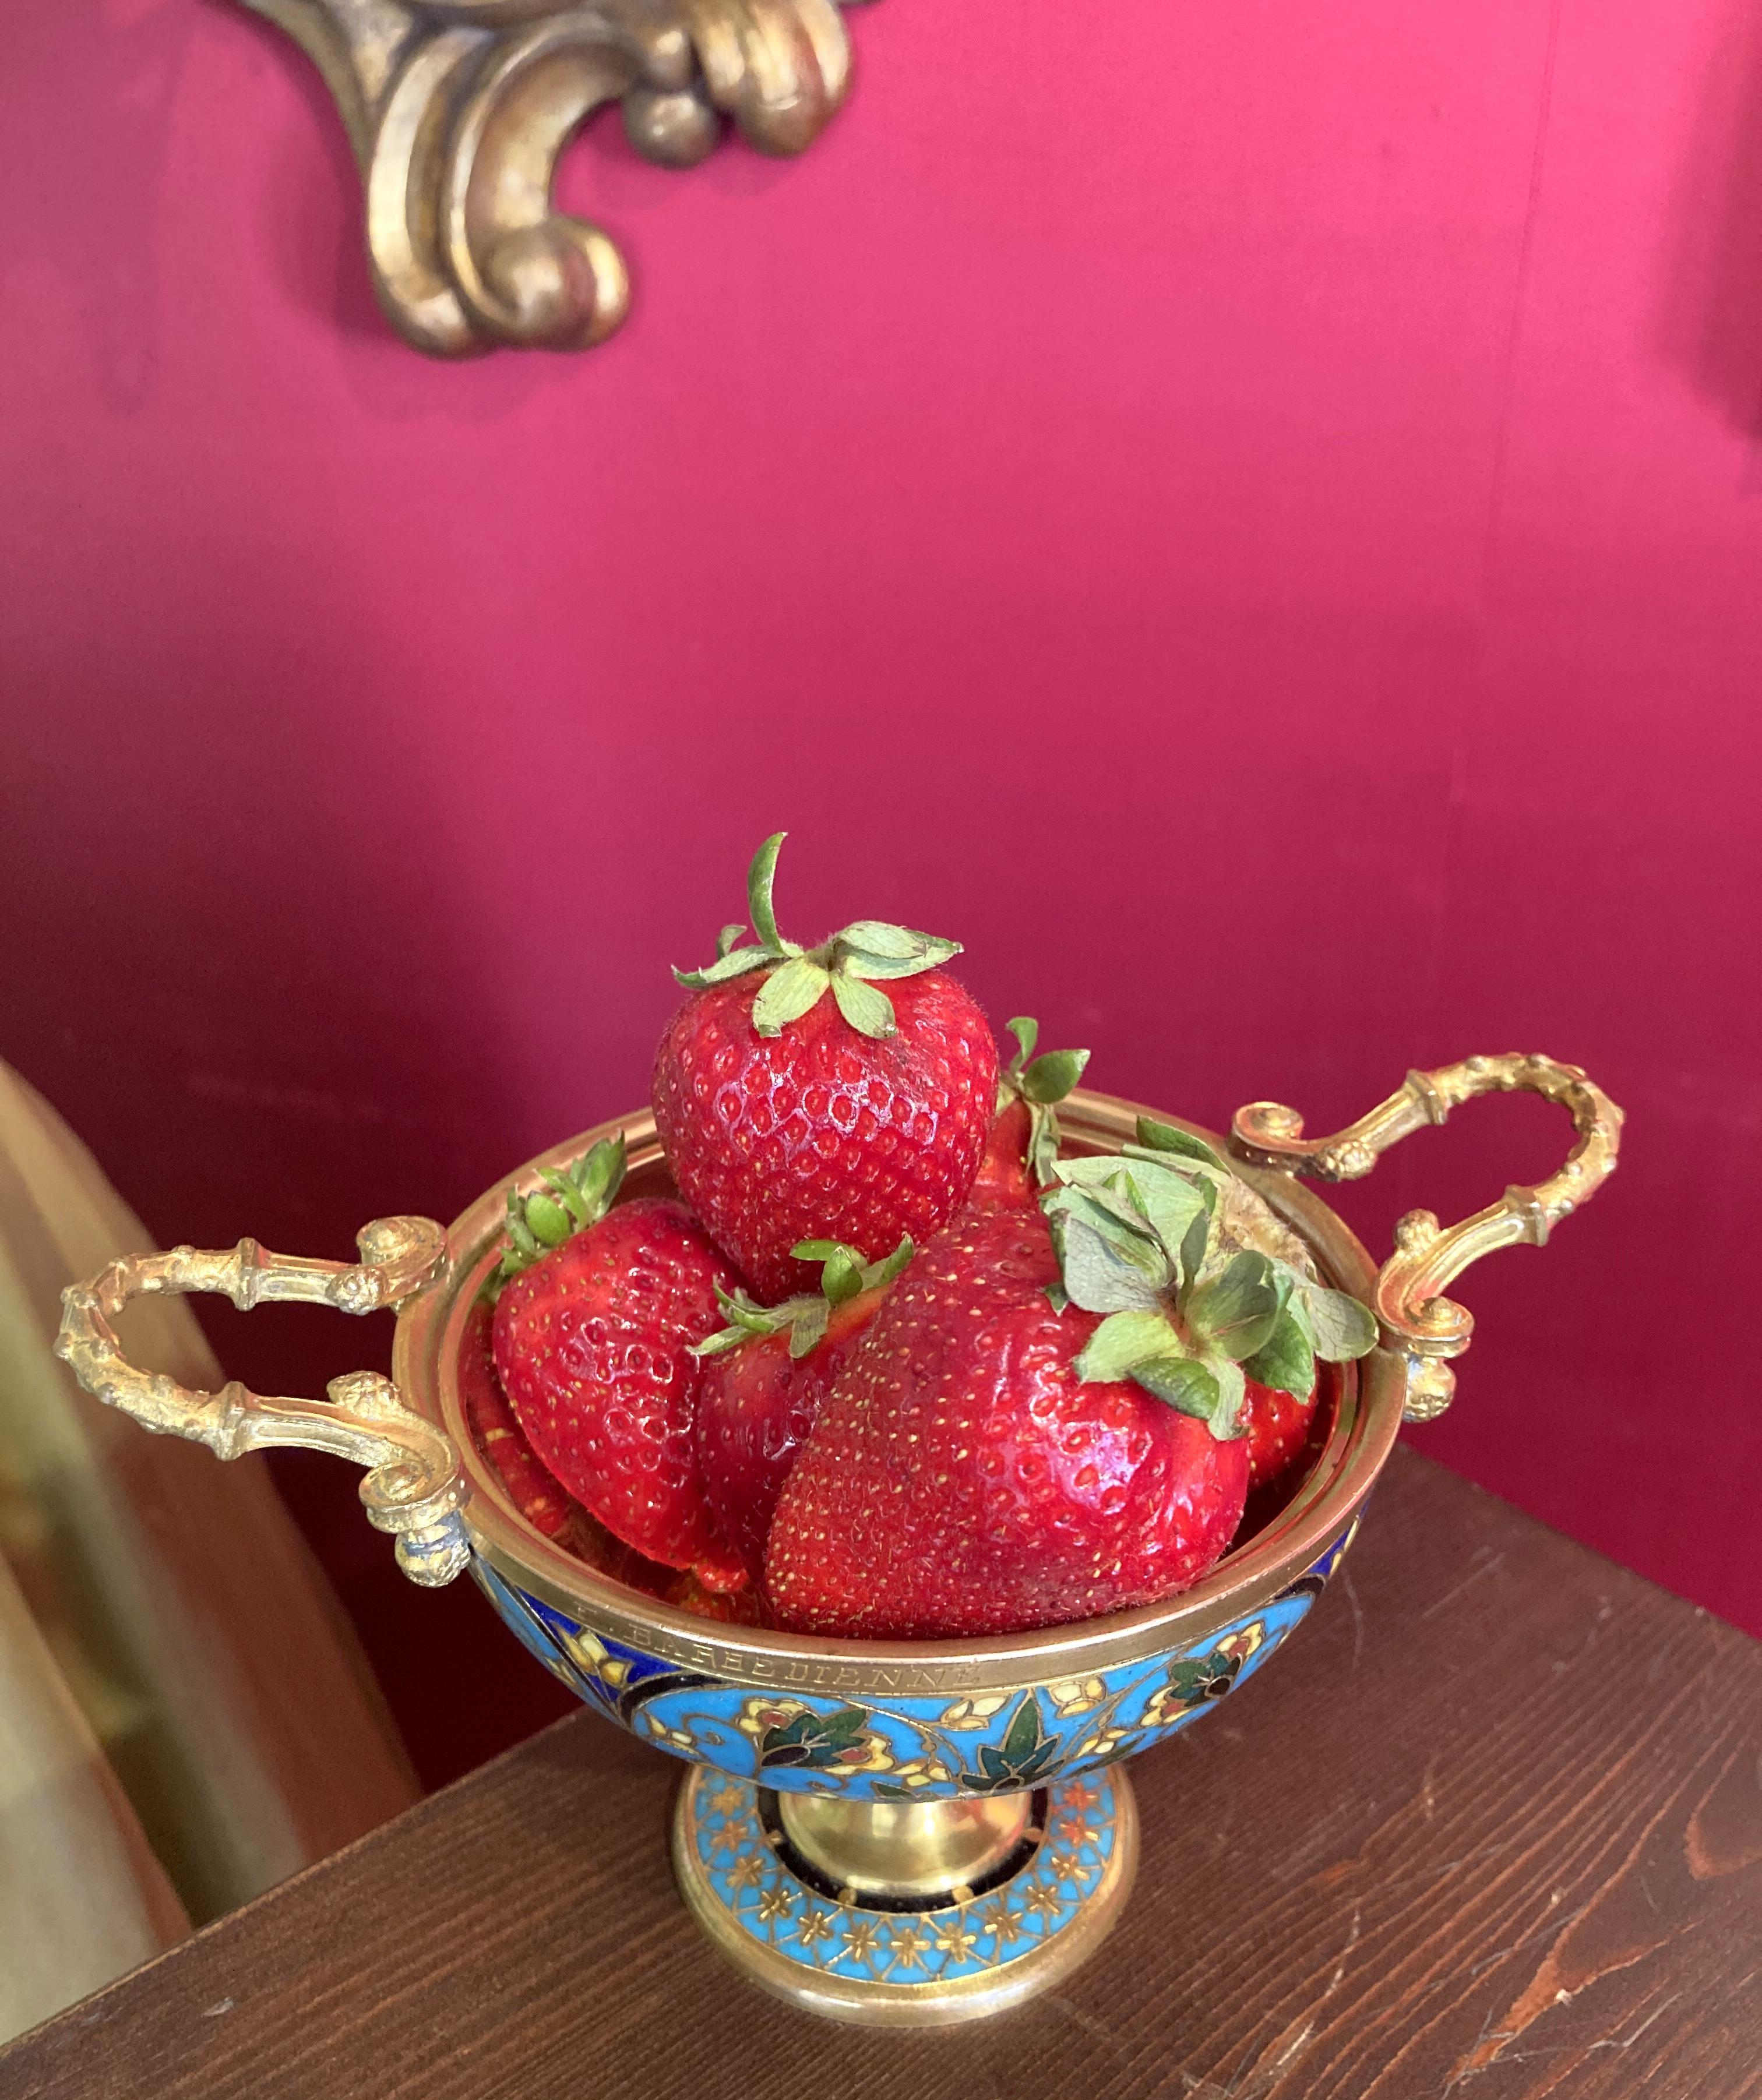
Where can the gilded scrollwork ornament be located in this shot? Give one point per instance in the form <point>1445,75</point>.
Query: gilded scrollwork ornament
<point>458,111</point>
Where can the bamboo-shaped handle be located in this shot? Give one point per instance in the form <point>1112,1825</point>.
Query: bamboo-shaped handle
<point>1416,1318</point>
<point>415,1486</point>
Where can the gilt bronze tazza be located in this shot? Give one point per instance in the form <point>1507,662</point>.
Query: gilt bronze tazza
<point>895,1832</point>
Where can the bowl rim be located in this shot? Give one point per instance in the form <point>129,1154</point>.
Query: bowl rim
<point>1368,1420</point>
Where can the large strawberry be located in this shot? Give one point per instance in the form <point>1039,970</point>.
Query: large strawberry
<point>592,1338</point>
<point>789,1115</point>
<point>1023,1141</point>
<point>1022,1438</point>
<point>767,1372</point>
<point>963,1479</point>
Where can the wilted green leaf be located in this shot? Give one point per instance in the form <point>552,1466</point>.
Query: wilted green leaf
<point>1156,1136</point>
<point>1342,1328</point>
<point>1051,1077</point>
<point>1096,1276</point>
<point>1235,1311</point>
<point>1285,1360</point>
<point>1183,1382</point>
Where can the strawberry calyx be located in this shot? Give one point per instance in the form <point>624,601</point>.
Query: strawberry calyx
<point>574,1196</point>
<point>844,1275</point>
<point>1040,1083</point>
<point>796,978</point>
<point>1188,1314</point>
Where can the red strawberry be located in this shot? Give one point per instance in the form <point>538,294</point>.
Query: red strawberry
<point>500,1437</point>
<point>963,1479</point>
<point>1023,1141</point>
<point>1003,1177</point>
<point>786,1115</point>
<point>687,1593</point>
<point>766,1373</point>
<point>593,1344</point>
<point>1278,1425</point>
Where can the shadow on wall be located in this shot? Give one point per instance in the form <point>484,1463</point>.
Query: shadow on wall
<point>1710,325</point>
<point>256,995</point>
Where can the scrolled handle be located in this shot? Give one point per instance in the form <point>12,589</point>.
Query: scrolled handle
<point>1416,1318</point>
<point>415,1486</point>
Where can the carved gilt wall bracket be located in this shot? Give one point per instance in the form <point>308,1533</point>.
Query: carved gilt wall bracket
<point>458,109</point>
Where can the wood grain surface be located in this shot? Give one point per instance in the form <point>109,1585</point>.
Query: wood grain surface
<point>1490,1826</point>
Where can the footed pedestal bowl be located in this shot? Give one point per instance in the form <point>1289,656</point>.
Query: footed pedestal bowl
<point>888,1831</point>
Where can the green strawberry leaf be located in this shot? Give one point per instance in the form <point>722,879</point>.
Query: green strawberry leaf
<point>787,994</point>
<point>1097,1274</point>
<point>1026,1031</point>
<point>842,1276</point>
<point>1051,1077</point>
<point>1340,1327</point>
<point>870,1012</point>
<point>1194,1243</point>
<point>1172,1202</point>
<point>724,1339</point>
<point>1235,1312</point>
<point>524,1244</point>
<point>726,939</point>
<point>808,1330</point>
<point>735,964</point>
<point>571,1198</point>
<point>759,876</point>
<point>1183,1382</point>
<point>1154,1136</point>
<point>1286,1360</point>
<point>1057,1297</point>
<point>1043,1143</point>
<point>883,943</point>
<point>550,1224</point>
<point>855,958</point>
<point>879,1274</point>
<point>1122,1342</point>
<point>600,1175</point>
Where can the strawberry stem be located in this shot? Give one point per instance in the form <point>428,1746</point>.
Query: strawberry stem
<point>581,1194</point>
<point>843,1275</point>
<point>1041,1082</point>
<point>796,979</point>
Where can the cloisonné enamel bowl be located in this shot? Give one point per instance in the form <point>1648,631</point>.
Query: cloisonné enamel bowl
<point>889,1832</point>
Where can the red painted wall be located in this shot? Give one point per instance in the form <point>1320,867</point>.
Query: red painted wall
<point>1249,516</point>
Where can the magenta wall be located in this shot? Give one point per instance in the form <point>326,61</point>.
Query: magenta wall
<point>1250,516</point>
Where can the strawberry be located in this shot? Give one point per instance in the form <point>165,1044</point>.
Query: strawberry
<point>1278,1426</point>
<point>1045,1422</point>
<point>963,1479</point>
<point>768,1370</point>
<point>499,1436</point>
<point>788,1116</point>
<point>592,1342</point>
<point>1023,1140</point>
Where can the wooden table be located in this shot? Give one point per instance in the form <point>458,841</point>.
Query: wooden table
<point>1491,1826</point>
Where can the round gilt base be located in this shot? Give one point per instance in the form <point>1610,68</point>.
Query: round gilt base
<point>917,1914</point>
